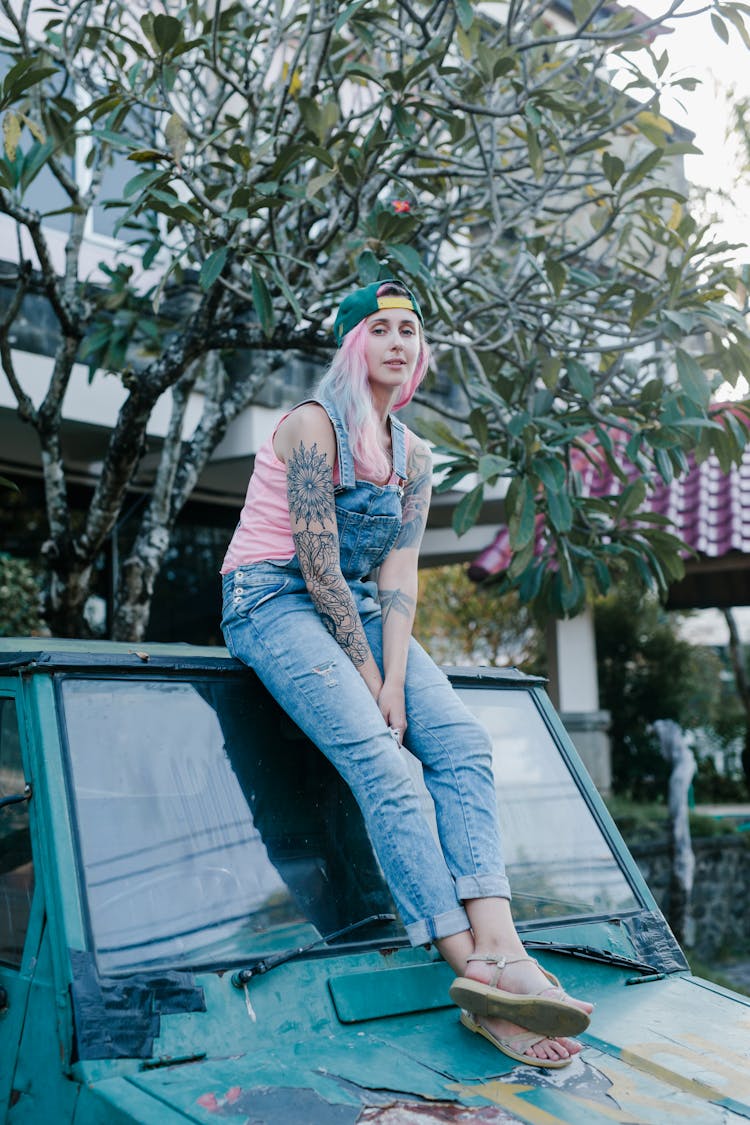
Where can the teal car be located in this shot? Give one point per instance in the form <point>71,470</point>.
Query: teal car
<point>193,925</point>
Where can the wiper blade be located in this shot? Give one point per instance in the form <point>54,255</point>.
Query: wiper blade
<point>265,964</point>
<point>591,953</point>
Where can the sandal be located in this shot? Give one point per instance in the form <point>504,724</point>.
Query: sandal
<point>515,1045</point>
<point>546,1012</point>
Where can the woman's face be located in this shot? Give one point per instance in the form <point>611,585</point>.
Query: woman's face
<point>392,347</point>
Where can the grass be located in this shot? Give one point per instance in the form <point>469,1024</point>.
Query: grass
<point>641,822</point>
<point>717,972</point>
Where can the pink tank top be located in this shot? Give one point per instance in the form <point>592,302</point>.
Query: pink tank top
<point>264,533</point>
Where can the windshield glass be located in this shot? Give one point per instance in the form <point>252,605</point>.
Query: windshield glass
<point>211,832</point>
<point>558,861</point>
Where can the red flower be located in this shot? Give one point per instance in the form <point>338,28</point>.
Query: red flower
<point>401,206</point>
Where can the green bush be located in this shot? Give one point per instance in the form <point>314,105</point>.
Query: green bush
<point>647,672</point>
<point>20,598</point>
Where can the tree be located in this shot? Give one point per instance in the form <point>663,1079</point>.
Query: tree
<point>460,623</point>
<point>282,153</point>
<point>742,682</point>
<point>647,673</point>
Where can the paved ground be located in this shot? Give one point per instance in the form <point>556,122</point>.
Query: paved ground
<point>733,812</point>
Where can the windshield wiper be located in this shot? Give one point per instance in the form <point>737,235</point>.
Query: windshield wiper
<point>265,964</point>
<point>591,953</point>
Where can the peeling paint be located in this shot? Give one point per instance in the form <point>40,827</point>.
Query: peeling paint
<point>419,1113</point>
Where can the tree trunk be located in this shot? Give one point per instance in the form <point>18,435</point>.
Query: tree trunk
<point>674,749</point>
<point>136,585</point>
<point>67,594</point>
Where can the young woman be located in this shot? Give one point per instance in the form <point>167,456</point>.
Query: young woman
<point>340,490</point>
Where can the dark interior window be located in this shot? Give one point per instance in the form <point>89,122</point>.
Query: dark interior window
<point>16,868</point>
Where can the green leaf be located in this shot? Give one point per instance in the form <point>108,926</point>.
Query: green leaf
<point>580,379</point>
<point>467,510</point>
<point>664,465</point>
<point>406,256</point>
<point>720,27</point>
<point>735,18</point>
<point>643,302</point>
<point>212,267</point>
<point>36,158</point>
<point>368,267</point>
<point>478,426</point>
<point>522,521</point>
<point>550,471</point>
<point>167,31</point>
<point>21,78</point>
<point>140,181</point>
<point>631,499</point>
<point>317,183</point>
<point>571,594</point>
<point>5,483</point>
<point>557,274</point>
<point>536,160</point>
<point>465,13</point>
<point>613,167</point>
<point>582,9</point>
<point>692,378</point>
<point>551,371</point>
<point>642,168</point>
<point>602,576</point>
<point>347,14</point>
<point>263,304</point>
<point>491,466</point>
<point>560,509</point>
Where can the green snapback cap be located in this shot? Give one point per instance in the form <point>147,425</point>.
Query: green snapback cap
<point>364,302</point>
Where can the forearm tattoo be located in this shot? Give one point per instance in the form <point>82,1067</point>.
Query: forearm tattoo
<point>396,601</point>
<point>416,501</point>
<point>310,486</point>
<point>317,553</point>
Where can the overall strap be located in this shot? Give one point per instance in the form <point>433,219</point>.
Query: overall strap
<point>345,459</point>
<point>398,443</point>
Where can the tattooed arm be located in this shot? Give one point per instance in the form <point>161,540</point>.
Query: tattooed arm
<point>397,583</point>
<point>305,441</point>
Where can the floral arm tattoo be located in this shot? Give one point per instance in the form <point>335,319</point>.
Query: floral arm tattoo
<point>310,493</point>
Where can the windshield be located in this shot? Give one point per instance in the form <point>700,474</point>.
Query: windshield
<point>210,831</point>
<point>558,861</point>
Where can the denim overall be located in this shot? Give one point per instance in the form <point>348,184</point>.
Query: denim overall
<point>270,623</point>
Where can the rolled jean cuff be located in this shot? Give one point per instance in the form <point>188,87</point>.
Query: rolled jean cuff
<point>482,886</point>
<point>439,926</point>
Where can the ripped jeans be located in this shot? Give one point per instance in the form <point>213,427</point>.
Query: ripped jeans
<point>270,623</point>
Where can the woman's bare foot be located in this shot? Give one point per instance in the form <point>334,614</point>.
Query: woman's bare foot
<point>523,977</point>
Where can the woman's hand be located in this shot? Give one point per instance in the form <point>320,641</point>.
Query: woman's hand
<point>393,707</point>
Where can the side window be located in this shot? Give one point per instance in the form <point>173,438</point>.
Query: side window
<point>16,868</point>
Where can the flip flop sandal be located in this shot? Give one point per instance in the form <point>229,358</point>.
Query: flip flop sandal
<point>515,1045</point>
<point>546,1012</point>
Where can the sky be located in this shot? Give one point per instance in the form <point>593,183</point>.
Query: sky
<point>695,50</point>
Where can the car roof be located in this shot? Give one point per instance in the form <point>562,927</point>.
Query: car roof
<point>46,654</point>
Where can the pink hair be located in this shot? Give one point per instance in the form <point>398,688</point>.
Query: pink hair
<point>346,384</point>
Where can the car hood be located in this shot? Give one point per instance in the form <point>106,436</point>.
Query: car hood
<point>677,1044</point>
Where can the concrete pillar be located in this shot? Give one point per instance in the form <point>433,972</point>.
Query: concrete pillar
<point>574,690</point>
